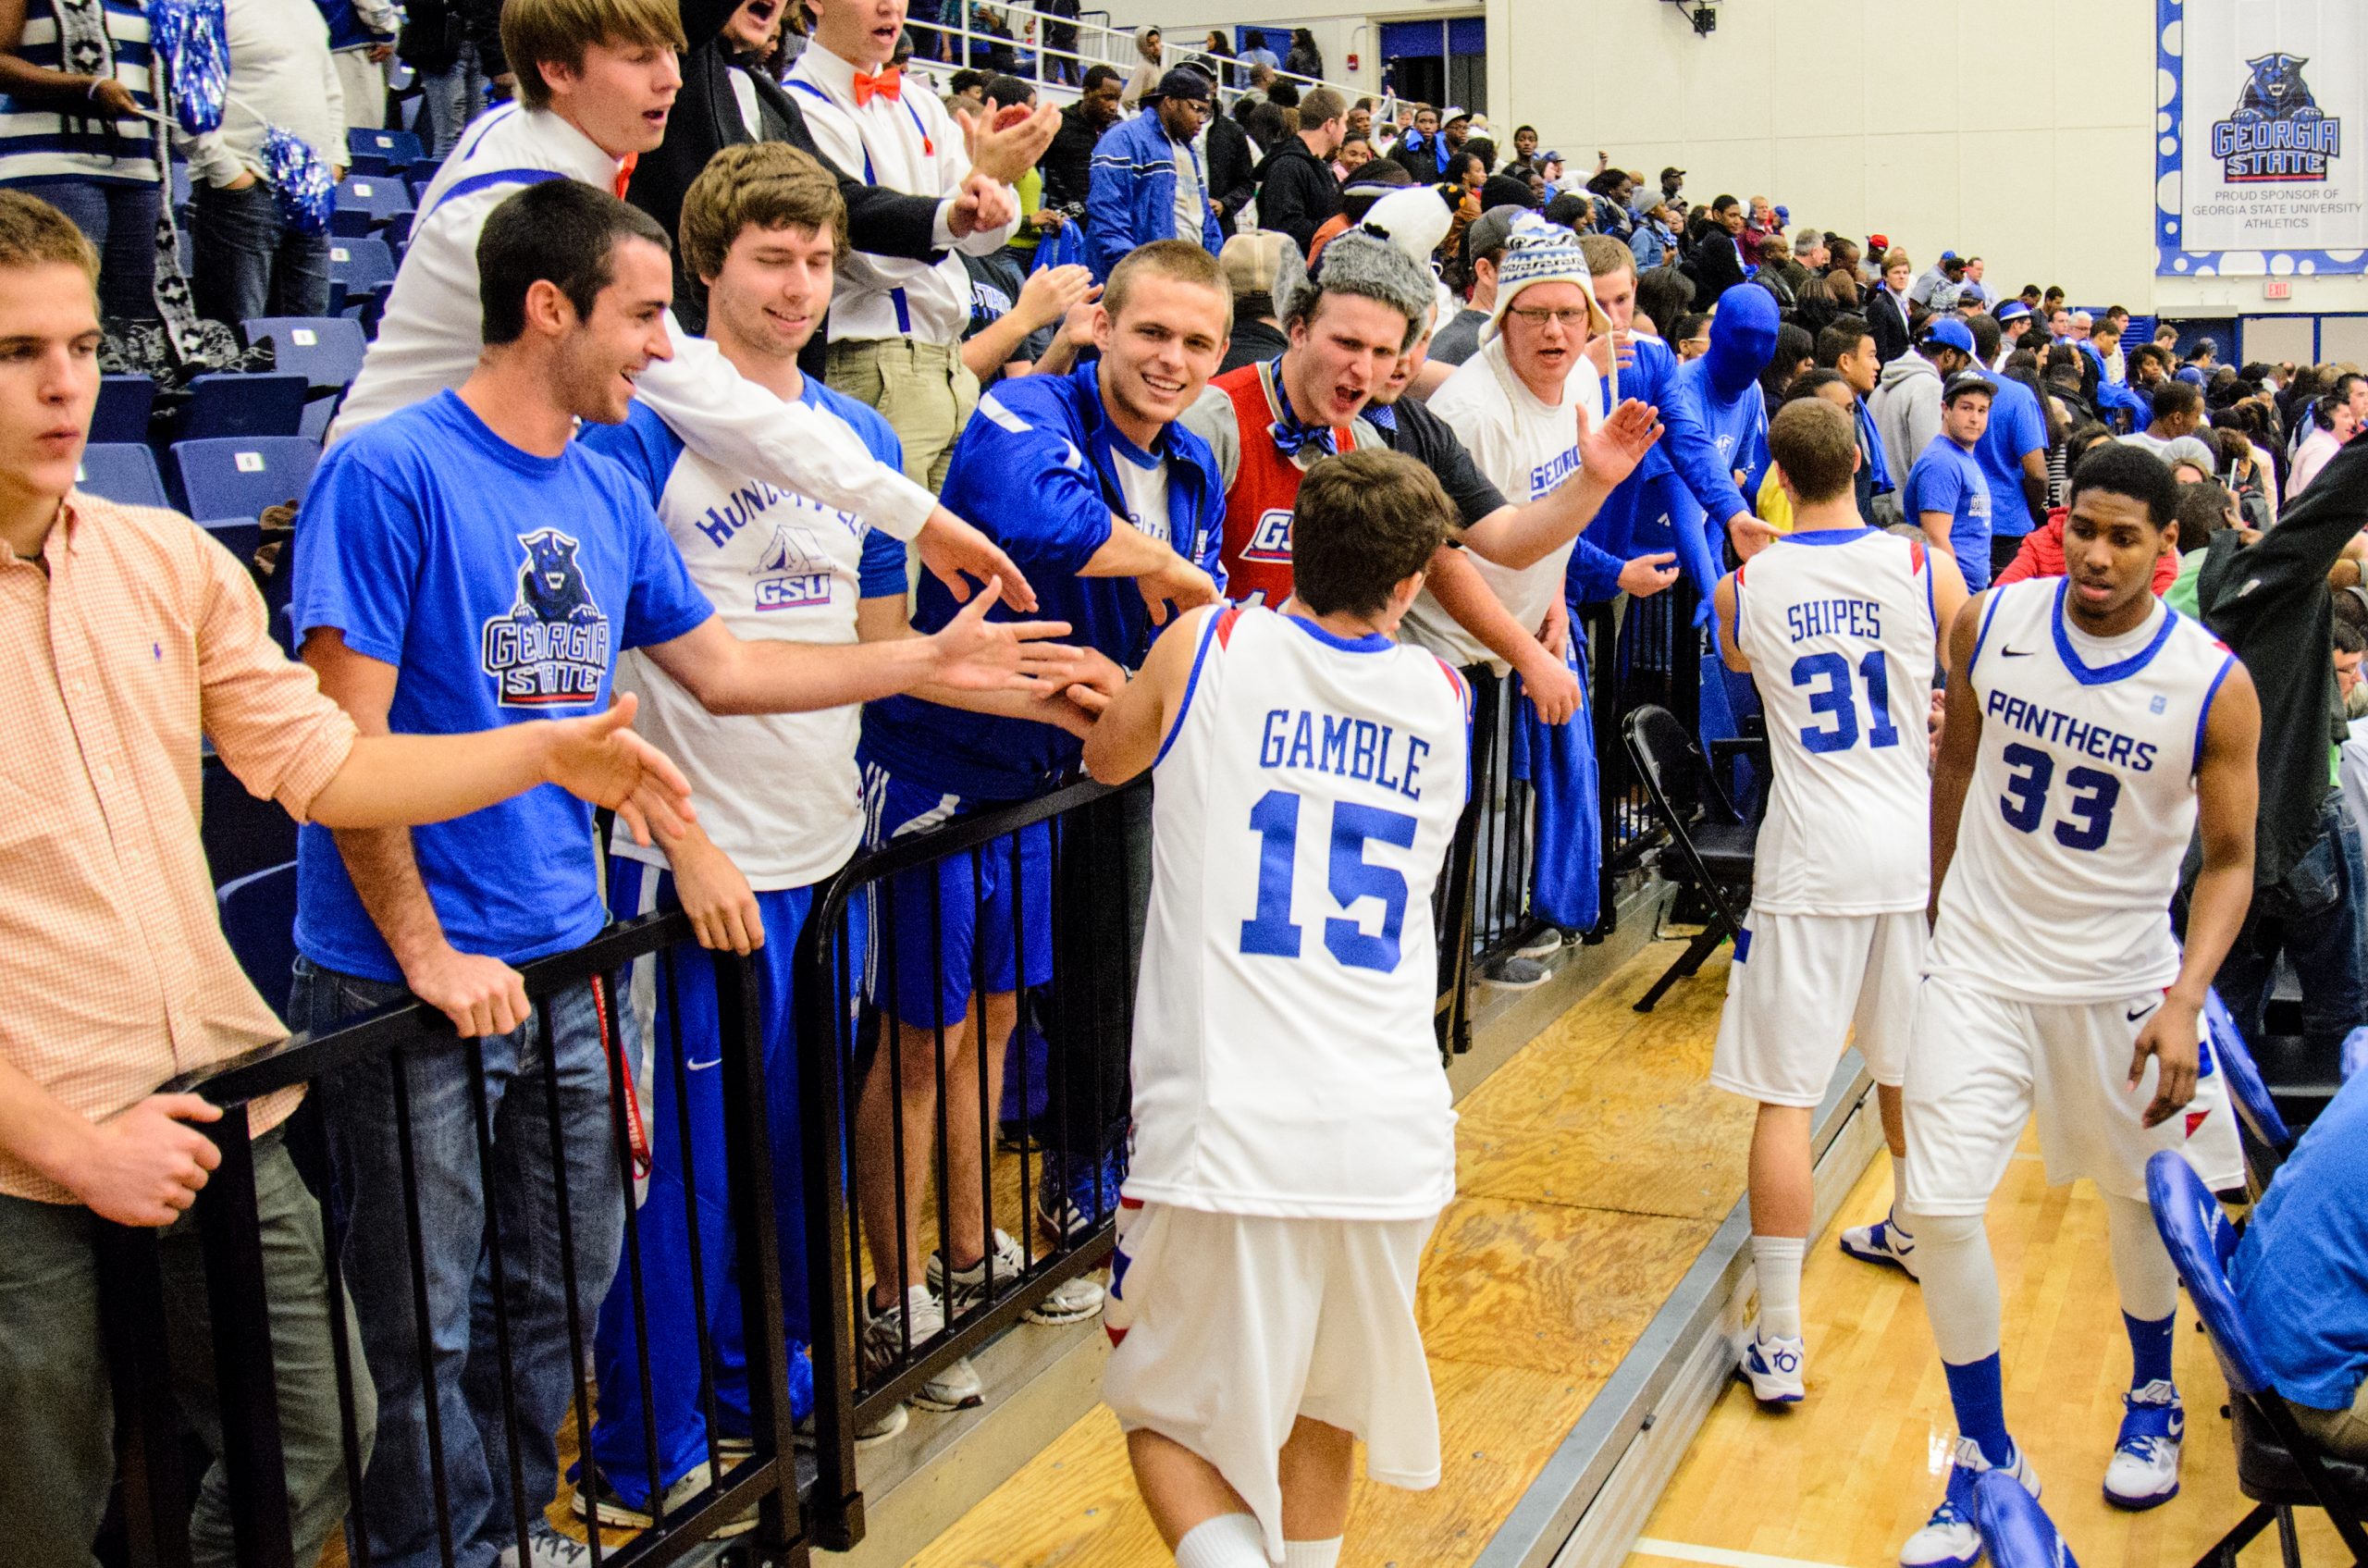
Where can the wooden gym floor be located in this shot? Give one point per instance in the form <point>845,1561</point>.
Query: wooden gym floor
<point>1593,1168</point>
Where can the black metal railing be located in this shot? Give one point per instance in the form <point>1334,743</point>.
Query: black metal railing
<point>891,1193</point>
<point>155,1487</point>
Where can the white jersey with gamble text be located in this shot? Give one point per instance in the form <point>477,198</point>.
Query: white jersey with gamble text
<point>1284,1060</point>
<point>1838,625</point>
<point>2081,804</point>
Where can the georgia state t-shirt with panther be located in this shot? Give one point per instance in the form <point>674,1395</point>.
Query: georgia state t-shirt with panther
<point>502,586</point>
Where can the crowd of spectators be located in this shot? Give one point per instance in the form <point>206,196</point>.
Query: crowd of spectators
<point>989,359</point>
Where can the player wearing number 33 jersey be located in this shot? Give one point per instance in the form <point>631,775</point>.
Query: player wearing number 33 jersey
<point>2091,734</point>
<point>1294,1137</point>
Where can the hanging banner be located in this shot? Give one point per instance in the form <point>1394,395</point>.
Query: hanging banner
<point>2262,150</point>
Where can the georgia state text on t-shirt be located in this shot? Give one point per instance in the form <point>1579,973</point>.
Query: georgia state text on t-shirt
<point>1334,743</point>
<point>1835,617</point>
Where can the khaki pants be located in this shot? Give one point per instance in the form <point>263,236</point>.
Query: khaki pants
<point>2343,1433</point>
<point>924,391</point>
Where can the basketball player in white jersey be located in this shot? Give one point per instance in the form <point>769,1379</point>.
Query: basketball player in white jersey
<point>1293,1140</point>
<point>1838,622</point>
<point>2091,730</point>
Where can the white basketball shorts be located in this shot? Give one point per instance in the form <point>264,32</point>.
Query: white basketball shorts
<point>1980,1066</point>
<point>1805,986</point>
<point>1234,1326</point>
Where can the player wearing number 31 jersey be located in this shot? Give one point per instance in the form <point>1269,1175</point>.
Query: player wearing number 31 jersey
<point>2090,731</point>
<point>1293,1140</point>
<point>1836,623</point>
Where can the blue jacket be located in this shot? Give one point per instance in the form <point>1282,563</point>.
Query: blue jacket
<point>1033,470</point>
<point>1686,459</point>
<point>1131,200</point>
<point>1649,244</point>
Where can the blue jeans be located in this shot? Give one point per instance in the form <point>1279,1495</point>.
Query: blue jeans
<point>663,1224</point>
<point>2315,917</point>
<point>120,221</point>
<point>250,263</point>
<point>397,1508</point>
<point>450,99</point>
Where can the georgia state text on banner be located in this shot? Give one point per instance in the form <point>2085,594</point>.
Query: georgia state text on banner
<point>2260,164</point>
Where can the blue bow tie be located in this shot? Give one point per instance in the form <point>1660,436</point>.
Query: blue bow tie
<point>1291,436</point>
<point>1383,415</point>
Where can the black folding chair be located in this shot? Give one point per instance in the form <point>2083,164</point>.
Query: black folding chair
<point>1714,843</point>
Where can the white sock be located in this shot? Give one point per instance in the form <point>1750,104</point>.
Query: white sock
<point>1229,1540</point>
<point>1311,1554</point>
<point>1778,1260</point>
<point>1898,1215</point>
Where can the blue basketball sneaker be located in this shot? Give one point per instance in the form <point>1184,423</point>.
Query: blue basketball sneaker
<point>1075,1199</point>
<point>2145,1468</point>
<point>1883,1243</point>
<point>1948,1539</point>
<point>1776,1369</point>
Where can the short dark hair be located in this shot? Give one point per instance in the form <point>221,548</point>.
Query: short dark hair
<point>1096,75</point>
<point>1986,337</point>
<point>1004,90</point>
<point>559,231</point>
<point>1840,336</point>
<point>1722,204</point>
<point>2346,635</point>
<point>2118,468</point>
<point>1692,321</point>
<point>1364,522</point>
<point>1816,444</point>
<point>2177,397</point>
<point>1808,383</point>
<point>1662,294</point>
<point>963,81</point>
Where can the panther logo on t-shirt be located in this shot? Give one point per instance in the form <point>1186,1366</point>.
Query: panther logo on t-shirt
<point>551,648</point>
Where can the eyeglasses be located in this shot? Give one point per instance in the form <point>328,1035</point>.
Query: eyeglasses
<point>1569,320</point>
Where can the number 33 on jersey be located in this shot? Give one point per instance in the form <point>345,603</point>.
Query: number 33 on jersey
<point>1283,1056</point>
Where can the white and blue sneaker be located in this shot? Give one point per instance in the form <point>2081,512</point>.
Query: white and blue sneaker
<point>2145,1468</point>
<point>1775,1368</point>
<point>1882,1243</point>
<point>1948,1539</point>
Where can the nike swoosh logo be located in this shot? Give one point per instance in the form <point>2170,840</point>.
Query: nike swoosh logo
<point>2140,1013</point>
<point>2014,653</point>
<point>702,1066</point>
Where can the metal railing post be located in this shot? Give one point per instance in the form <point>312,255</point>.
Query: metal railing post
<point>154,1484</point>
<point>246,1386</point>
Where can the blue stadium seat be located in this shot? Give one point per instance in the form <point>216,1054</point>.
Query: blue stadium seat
<point>356,266</point>
<point>325,349</point>
<point>365,203</point>
<point>233,480</point>
<point>382,152</point>
<point>254,403</point>
<point>237,536</point>
<point>124,405</point>
<point>2014,1527</point>
<point>122,471</point>
<point>372,309</point>
<point>2277,1465</point>
<point>2266,1137</point>
<point>319,415</point>
<point>259,919</point>
<point>242,835</point>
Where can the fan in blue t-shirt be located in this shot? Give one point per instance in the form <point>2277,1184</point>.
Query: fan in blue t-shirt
<point>1947,494</point>
<point>502,585</point>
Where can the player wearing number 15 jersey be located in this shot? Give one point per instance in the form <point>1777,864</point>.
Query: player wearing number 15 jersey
<point>1836,622</point>
<point>2091,730</point>
<point>1293,1140</point>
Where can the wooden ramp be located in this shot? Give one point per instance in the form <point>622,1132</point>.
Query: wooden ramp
<point>1593,1168</point>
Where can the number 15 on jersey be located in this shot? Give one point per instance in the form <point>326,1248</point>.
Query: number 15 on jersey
<point>1272,932</point>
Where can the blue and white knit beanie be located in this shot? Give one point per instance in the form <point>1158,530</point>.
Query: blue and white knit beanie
<point>1539,252</point>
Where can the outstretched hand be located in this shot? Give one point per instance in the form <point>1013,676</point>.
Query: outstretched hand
<point>955,552</point>
<point>977,654</point>
<point>597,758</point>
<point>1612,451</point>
<point>1178,584</point>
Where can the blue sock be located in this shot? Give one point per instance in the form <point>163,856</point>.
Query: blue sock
<point>2149,1349</point>
<point>1979,1393</point>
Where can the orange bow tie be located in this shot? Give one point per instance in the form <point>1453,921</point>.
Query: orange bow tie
<point>888,84</point>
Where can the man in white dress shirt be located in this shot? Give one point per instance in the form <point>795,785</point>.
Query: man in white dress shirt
<point>896,327</point>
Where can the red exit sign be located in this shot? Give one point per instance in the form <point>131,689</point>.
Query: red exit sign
<point>2278,289</point>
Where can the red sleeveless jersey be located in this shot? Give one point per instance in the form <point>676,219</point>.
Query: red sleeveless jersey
<point>1257,552</point>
